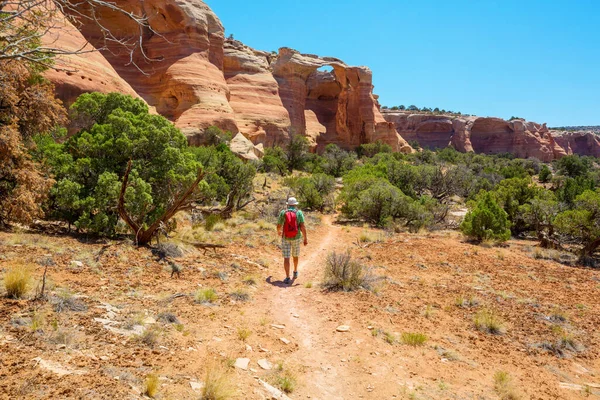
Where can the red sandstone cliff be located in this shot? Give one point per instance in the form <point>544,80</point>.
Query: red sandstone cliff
<point>198,79</point>
<point>479,134</point>
<point>585,143</point>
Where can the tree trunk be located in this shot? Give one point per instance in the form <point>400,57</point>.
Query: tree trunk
<point>143,236</point>
<point>589,249</point>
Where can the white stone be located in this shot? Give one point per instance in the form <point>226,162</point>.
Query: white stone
<point>284,340</point>
<point>196,386</point>
<point>264,364</point>
<point>274,393</point>
<point>277,326</point>
<point>242,363</point>
<point>77,264</point>
<point>343,328</point>
<point>248,347</point>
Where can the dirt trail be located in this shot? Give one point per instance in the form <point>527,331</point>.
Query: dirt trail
<point>295,307</point>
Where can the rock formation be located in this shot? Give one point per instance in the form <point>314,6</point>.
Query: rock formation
<point>197,79</point>
<point>585,143</point>
<point>479,134</point>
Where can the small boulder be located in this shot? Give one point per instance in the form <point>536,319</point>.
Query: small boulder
<point>242,363</point>
<point>343,328</point>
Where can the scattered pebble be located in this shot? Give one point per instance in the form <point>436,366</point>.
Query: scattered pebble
<point>242,363</point>
<point>284,340</point>
<point>277,326</point>
<point>264,364</point>
<point>343,328</point>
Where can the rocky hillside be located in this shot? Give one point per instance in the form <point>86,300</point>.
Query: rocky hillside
<point>198,78</point>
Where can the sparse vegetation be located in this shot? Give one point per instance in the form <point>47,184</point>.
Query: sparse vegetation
<point>206,296</point>
<point>151,385</point>
<point>504,387</point>
<point>486,320</point>
<point>240,295</point>
<point>244,333</point>
<point>148,337</point>
<point>17,281</point>
<point>218,384</point>
<point>344,273</point>
<point>414,338</point>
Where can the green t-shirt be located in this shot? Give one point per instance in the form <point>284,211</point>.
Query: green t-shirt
<point>299,219</point>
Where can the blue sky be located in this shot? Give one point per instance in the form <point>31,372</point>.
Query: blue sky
<point>534,59</point>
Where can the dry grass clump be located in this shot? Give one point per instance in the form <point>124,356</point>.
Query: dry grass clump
<point>151,385</point>
<point>218,385</point>
<point>244,333</point>
<point>504,387</point>
<point>369,237</point>
<point>206,296</point>
<point>487,320</point>
<point>64,300</point>
<point>564,343</point>
<point>17,281</point>
<point>168,318</point>
<point>464,302</point>
<point>284,378</point>
<point>250,280</point>
<point>344,273</point>
<point>240,295</point>
<point>414,339</point>
<point>149,337</point>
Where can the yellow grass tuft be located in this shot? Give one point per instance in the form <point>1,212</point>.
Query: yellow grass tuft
<point>17,281</point>
<point>151,385</point>
<point>487,320</point>
<point>218,384</point>
<point>414,338</point>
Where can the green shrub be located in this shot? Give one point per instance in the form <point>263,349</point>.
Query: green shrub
<point>486,221</point>
<point>545,174</point>
<point>206,295</point>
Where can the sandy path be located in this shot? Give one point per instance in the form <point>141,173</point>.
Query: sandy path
<point>295,307</point>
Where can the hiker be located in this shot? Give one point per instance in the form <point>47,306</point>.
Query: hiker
<point>290,226</point>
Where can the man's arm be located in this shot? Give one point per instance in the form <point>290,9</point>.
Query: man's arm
<point>303,229</point>
<point>279,230</point>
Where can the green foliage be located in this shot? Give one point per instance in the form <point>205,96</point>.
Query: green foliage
<point>545,174</point>
<point>582,223</point>
<point>569,188</point>
<point>313,191</point>
<point>297,152</point>
<point>90,165</point>
<point>573,165</point>
<point>275,160</point>
<point>337,161</point>
<point>214,136</point>
<point>486,220</point>
<point>371,149</point>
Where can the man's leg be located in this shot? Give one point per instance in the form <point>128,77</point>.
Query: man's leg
<point>286,266</point>
<point>295,264</point>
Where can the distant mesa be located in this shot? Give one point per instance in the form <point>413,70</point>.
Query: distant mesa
<point>201,79</point>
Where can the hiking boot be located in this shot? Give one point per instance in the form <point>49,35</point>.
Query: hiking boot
<point>287,280</point>
<point>295,274</point>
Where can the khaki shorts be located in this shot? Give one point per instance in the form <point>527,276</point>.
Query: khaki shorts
<point>290,247</point>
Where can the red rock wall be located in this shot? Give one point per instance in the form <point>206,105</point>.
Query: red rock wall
<point>582,143</point>
<point>478,134</point>
<point>198,79</point>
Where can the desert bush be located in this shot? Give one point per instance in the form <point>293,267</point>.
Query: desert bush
<point>151,385</point>
<point>486,221</point>
<point>29,107</point>
<point>370,149</point>
<point>297,152</point>
<point>582,224</point>
<point>148,337</point>
<point>240,295</point>
<point>218,385</point>
<point>504,387</point>
<point>274,160</point>
<point>488,321</point>
<point>17,281</point>
<point>573,165</point>
<point>344,273</point>
<point>337,161</point>
<point>545,174</point>
<point>206,296</point>
<point>64,300</point>
<point>413,338</point>
<point>168,318</point>
<point>211,220</point>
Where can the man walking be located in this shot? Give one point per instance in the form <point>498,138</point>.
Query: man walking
<point>290,226</point>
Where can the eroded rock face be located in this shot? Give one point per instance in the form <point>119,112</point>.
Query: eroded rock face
<point>481,135</point>
<point>185,80</point>
<point>331,102</point>
<point>581,142</point>
<point>254,95</point>
<point>77,74</point>
<point>197,79</point>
